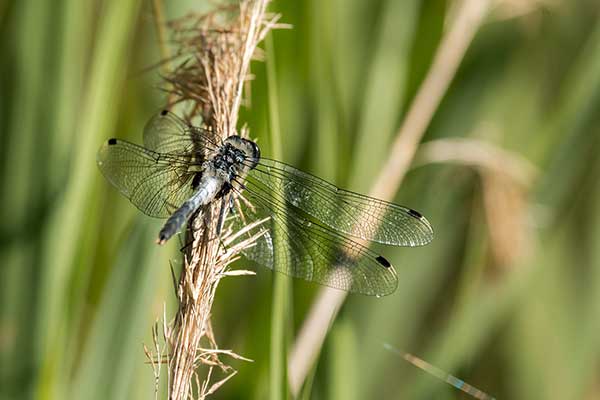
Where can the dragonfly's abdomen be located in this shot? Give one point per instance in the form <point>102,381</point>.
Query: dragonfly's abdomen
<point>207,190</point>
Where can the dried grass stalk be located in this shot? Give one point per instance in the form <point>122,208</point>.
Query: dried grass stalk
<point>213,53</point>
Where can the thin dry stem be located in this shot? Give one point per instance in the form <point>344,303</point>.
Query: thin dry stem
<point>468,19</point>
<point>216,50</point>
<point>505,9</point>
<point>479,154</point>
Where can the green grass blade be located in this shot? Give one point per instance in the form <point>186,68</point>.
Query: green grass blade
<point>280,316</point>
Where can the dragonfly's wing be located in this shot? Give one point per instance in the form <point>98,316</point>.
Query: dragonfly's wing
<point>167,133</point>
<point>306,249</point>
<point>351,213</point>
<point>156,183</point>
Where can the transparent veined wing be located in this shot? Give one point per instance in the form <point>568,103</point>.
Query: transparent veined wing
<point>305,248</point>
<point>156,183</point>
<point>165,132</point>
<point>351,213</point>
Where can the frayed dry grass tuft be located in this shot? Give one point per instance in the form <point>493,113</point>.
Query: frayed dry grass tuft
<point>213,53</point>
<point>216,49</point>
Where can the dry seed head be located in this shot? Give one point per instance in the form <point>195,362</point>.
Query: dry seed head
<point>212,57</point>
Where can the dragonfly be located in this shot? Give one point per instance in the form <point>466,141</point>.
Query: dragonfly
<point>308,228</point>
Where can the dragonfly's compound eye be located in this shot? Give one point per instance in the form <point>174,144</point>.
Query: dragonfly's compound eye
<point>255,153</point>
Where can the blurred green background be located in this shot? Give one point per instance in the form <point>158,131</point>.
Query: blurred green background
<point>507,297</point>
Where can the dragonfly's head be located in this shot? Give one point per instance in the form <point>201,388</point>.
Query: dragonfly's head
<point>246,153</point>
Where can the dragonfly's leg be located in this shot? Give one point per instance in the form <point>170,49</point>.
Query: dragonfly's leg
<point>185,246</point>
<point>222,212</point>
<point>231,204</point>
<point>226,204</point>
<point>189,234</point>
<point>185,241</point>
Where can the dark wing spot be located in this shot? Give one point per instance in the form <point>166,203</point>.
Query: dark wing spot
<point>415,214</point>
<point>112,141</point>
<point>381,260</point>
<point>164,112</point>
